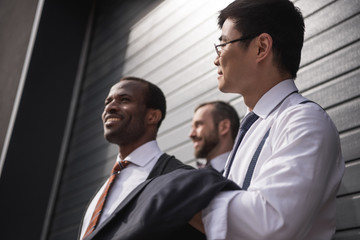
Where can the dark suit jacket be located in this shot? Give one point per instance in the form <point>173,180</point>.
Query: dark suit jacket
<point>161,207</point>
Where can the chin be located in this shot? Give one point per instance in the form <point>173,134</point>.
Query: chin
<point>223,89</point>
<point>111,137</point>
<point>220,87</point>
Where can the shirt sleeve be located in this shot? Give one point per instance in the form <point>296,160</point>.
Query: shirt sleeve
<point>214,217</point>
<point>295,188</point>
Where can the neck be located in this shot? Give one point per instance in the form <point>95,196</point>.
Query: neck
<point>264,84</point>
<point>126,149</point>
<point>220,149</point>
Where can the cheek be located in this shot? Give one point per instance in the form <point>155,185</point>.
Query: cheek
<point>229,65</point>
<point>199,131</point>
<point>233,69</point>
<point>230,74</point>
<point>227,69</point>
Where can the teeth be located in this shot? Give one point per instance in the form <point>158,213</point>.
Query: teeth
<point>112,119</point>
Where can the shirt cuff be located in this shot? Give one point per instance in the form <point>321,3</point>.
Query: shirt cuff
<point>214,216</point>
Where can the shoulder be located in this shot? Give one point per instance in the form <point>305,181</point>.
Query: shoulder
<point>173,163</point>
<point>166,164</point>
<point>305,121</point>
<point>306,114</point>
<point>297,110</point>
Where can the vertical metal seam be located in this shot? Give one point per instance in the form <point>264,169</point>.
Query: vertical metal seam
<point>68,127</point>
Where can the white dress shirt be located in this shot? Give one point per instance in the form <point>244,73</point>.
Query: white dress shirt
<point>293,188</point>
<point>218,162</point>
<point>142,161</point>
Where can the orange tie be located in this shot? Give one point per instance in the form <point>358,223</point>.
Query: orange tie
<point>101,202</point>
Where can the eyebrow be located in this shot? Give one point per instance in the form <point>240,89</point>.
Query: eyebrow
<point>117,96</point>
<point>197,122</point>
<point>223,38</point>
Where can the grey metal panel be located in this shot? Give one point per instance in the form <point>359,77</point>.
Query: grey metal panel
<point>66,225</point>
<point>348,212</point>
<point>310,7</point>
<point>337,90</point>
<point>332,66</point>
<point>80,163</point>
<point>331,40</point>
<point>350,180</point>
<point>352,234</point>
<point>347,115</point>
<point>350,142</point>
<point>319,22</point>
<point>181,37</point>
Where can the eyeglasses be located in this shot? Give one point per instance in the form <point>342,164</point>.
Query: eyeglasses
<point>219,47</point>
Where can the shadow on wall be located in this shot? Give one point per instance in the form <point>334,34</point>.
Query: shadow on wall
<point>90,157</point>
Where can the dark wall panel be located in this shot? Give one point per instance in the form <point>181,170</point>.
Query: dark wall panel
<point>89,157</point>
<point>36,140</point>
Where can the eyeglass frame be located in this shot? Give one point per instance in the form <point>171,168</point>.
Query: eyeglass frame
<point>232,41</point>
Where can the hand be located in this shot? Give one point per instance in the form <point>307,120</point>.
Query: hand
<point>197,223</point>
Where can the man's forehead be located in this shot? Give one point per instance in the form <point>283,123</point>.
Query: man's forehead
<point>126,85</point>
<point>204,110</point>
<point>228,30</point>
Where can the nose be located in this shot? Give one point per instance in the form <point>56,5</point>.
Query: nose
<point>111,107</point>
<point>216,61</point>
<point>192,133</point>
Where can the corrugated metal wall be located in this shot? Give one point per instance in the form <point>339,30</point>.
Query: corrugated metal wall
<point>171,44</point>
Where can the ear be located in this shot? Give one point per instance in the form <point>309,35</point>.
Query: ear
<point>224,127</point>
<point>264,46</point>
<point>153,116</point>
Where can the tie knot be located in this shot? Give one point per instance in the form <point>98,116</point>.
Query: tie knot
<point>119,165</point>
<point>248,120</point>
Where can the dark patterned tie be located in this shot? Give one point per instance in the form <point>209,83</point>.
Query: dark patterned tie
<point>246,123</point>
<point>201,164</point>
<point>100,204</point>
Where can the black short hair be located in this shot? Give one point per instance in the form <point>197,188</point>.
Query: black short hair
<point>154,97</point>
<point>279,18</point>
<point>223,110</point>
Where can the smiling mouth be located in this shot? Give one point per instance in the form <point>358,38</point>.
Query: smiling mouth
<point>196,143</point>
<point>112,119</point>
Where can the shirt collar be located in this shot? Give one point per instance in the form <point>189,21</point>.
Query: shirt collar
<point>273,97</point>
<point>219,161</point>
<point>143,154</point>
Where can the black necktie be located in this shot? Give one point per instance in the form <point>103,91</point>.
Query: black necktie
<point>246,123</point>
